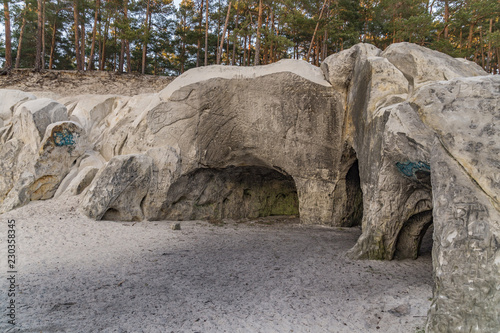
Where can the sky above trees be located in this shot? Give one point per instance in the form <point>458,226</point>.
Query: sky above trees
<point>160,37</point>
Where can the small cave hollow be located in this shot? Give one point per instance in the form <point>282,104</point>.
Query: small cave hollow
<point>426,242</point>
<point>233,193</point>
<point>111,215</point>
<point>354,202</point>
<point>415,238</point>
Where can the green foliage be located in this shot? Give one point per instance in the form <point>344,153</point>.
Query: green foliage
<point>175,39</point>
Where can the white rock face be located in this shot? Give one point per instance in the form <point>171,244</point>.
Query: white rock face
<point>395,141</point>
<point>9,99</point>
<point>119,189</point>
<point>239,122</point>
<point>422,65</point>
<point>38,147</point>
<point>297,67</point>
<point>338,68</point>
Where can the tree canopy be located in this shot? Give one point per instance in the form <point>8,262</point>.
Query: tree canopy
<point>157,37</point>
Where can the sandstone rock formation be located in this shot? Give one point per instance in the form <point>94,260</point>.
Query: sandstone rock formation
<point>394,140</point>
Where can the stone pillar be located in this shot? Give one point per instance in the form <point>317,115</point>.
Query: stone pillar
<point>466,251</point>
<point>315,200</point>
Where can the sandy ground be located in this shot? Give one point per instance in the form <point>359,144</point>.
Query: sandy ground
<point>267,275</point>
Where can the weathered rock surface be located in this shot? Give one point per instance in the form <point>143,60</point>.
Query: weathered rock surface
<point>465,163</point>
<point>119,189</point>
<point>42,112</point>
<point>338,68</point>
<point>212,124</point>
<point>422,65</point>
<point>38,148</point>
<point>396,141</point>
<point>9,100</point>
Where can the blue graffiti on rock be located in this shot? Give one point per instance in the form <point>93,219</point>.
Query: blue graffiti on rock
<point>409,169</point>
<point>63,138</point>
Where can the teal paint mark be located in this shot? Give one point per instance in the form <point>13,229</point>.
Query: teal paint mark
<point>409,169</point>
<point>64,138</point>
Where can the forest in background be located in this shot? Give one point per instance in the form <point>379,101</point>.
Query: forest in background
<point>157,37</point>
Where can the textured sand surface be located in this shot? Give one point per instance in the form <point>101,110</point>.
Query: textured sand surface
<point>55,84</point>
<point>267,275</point>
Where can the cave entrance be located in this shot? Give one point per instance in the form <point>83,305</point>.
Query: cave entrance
<point>419,201</point>
<point>354,198</point>
<point>426,242</point>
<point>232,192</point>
<point>411,236</point>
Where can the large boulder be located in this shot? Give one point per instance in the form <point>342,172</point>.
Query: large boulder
<point>38,148</point>
<point>338,68</point>
<point>242,117</point>
<point>422,65</point>
<point>393,145</point>
<point>465,163</point>
<point>119,189</point>
<point>10,98</point>
<point>42,112</point>
<point>93,112</point>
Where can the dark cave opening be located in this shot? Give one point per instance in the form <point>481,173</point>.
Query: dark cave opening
<point>426,241</point>
<point>354,203</point>
<point>232,192</point>
<point>415,238</point>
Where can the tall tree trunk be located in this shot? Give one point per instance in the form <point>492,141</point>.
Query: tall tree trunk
<point>53,42</point>
<point>127,42</point>
<point>271,52</point>
<point>446,18</point>
<point>266,46</point>
<point>105,38</point>
<point>219,53</point>
<point>121,60</point>
<point>316,30</point>
<point>471,31</point>
<point>498,59</point>
<point>249,58</point>
<point>82,39</point>
<point>90,65</point>
<point>43,34</point>
<point>99,44</point>
<point>482,46</point>
<point>235,37</point>
<point>77,39</point>
<point>21,34</point>
<point>182,59</point>
<point>324,48</point>
<point>257,41</point>
<point>200,22</point>
<point>244,63</point>
<point>488,61</point>
<point>115,42</point>
<point>38,56</point>
<point>228,60</point>
<point>146,37</point>
<point>8,37</point>
<point>124,41</point>
<point>206,34</point>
